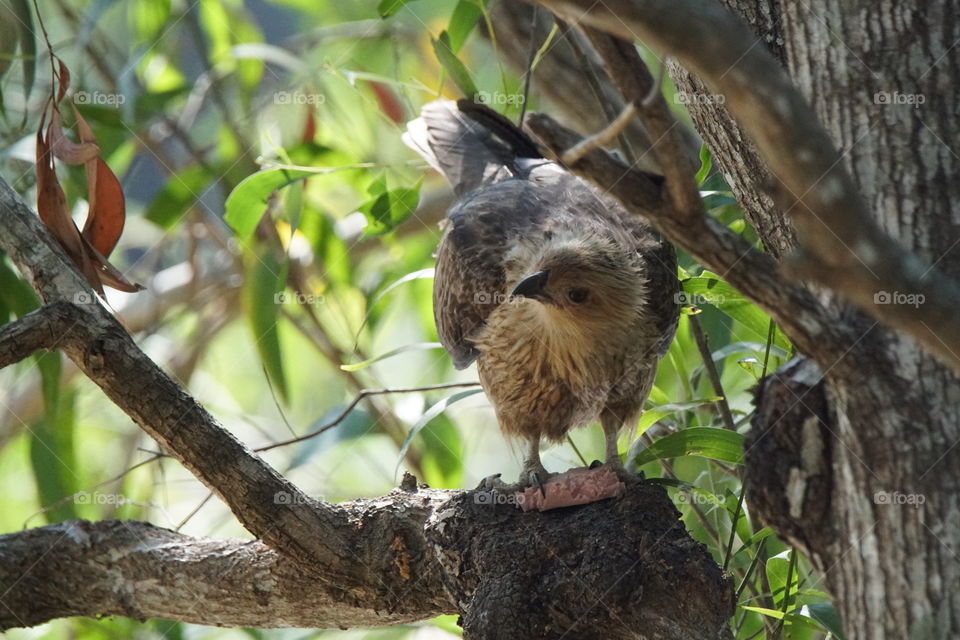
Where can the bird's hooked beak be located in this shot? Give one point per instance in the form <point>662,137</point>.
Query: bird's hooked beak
<point>533,286</point>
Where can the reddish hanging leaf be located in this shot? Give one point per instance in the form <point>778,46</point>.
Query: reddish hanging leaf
<point>51,201</point>
<point>310,126</point>
<point>64,75</point>
<point>107,273</point>
<point>52,207</point>
<point>388,102</point>
<point>107,212</point>
<point>66,149</point>
<point>83,129</point>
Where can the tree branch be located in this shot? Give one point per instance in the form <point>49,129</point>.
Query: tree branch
<point>23,336</point>
<point>841,246</point>
<point>141,571</point>
<point>302,529</point>
<point>610,568</point>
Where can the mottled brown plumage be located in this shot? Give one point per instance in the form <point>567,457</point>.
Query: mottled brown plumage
<point>564,300</point>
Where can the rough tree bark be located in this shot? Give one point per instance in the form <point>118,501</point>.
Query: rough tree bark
<point>840,443</point>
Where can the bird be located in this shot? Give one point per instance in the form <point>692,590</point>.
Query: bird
<point>564,300</point>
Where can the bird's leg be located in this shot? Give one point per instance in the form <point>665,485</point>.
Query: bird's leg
<point>533,472</point>
<point>611,427</point>
<point>611,424</point>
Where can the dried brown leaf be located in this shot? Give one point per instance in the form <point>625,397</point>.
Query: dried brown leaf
<point>107,213</point>
<point>66,149</point>
<point>64,75</point>
<point>109,274</point>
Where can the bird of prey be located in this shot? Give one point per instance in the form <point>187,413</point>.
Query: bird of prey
<point>563,299</point>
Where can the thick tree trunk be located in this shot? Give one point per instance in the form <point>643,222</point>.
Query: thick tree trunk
<point>872,493</point>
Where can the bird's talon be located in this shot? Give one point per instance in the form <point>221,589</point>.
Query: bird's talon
<point>535,477</point>
<point>491,483</point>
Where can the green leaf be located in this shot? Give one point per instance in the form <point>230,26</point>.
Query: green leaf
<point>387,8</point>
<point>706,163</point>
<point>28,45</point>
<point>9,37</point>
<point>389,208</point>
<point>443,450</point>
<point>788,618</point>
<point>416,346</point>
<point>16,295</point>
<point>709,288</point>
<point>247,203</point>
<point>452,64</point>
<point>826,614</point>
<point>680,484</point>
<point>706,442</point>
<point>328,247</point>
<point>464,18</point>
<point>265,281</point>
<point>429,415</point>
<point>655,414</point>
<point>777,569</point>
<point>416,275</point>
<point>51,441</point>
<point>770,613</point>
<point>148,17</point>
<point>766,532</point>
<point>181,192</point>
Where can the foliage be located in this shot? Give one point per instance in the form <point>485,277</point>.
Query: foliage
<point>272,209</point>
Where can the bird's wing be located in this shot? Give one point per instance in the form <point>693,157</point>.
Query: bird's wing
<point>479,152</point>
<point>470,278</point>
<point>663,285</point>
<point>470,144</point>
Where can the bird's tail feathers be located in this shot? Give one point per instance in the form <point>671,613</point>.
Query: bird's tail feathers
<point>470,144</point>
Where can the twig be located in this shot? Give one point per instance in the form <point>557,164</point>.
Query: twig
<point>66,499</point>
<point>194,511</point>
<point>733,528</point>
<point>364,393</point>
<point>601,138</point>
<point>711,368</point>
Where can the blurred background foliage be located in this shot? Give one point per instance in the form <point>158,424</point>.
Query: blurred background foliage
<point>284,234</point>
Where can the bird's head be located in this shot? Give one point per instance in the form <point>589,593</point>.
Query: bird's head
<point>586,284</point>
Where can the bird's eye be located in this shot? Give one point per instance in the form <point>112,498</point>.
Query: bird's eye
<point>577,295</point>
